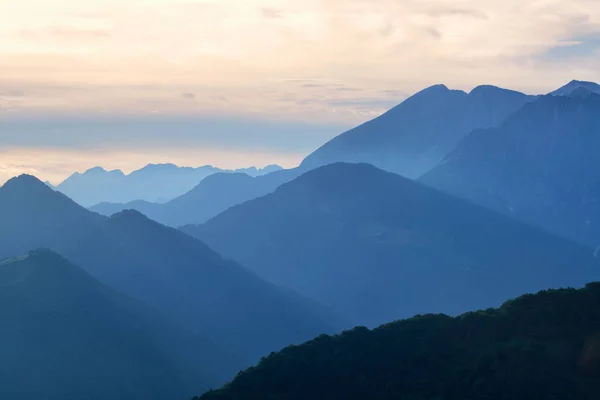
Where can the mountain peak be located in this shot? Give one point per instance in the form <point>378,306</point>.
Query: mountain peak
<point>483,90</point>
<point>576,82</point>
<point>439,88</point>
<point>129,215</point>
<point>100,171</point>
<point>95,170</point>
<point>25,182</point>
<point>574,85</point>
<point>168,166</point>
<point>131,218</point>
<point>44,270</point>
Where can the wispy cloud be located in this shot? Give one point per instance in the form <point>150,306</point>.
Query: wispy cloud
<point>131,57</point>
<point>64,32</point>
<point>272,13</point>
<point>441,11</point>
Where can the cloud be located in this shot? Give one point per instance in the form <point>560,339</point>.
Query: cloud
<point>271,13</point>
<point>395,93</point>
<point>64,32</point>
<point>453,12</point>
<point>332,62</point>
<point>346,89</point>
<point>219,99</point>
<point>313,85</point>
<point>12,93</point>
<point>433,32</point>
<point>575,48</point>
<point>57,146</point>
<point>387,30</point>
<point>130,57</point>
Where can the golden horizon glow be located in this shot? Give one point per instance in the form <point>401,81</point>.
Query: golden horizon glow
<point>331,60</point>
<point>57,165</point>
<point>319,61</point>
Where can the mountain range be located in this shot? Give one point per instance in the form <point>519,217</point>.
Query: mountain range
<point>376,246</point>
<point>210,197</point>
<point>64,335</point>
<point>410,139</point>
<point>540,166</point>
<point>168,270</point>
<point>414,136</point>
<point>543,346</point>
<point>449,202</point>
<point>154,183</point>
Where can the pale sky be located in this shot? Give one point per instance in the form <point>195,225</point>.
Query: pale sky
<point>315,67</point>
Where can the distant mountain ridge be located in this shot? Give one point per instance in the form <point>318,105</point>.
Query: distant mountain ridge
<point>153,183</point>
<point>376,246</point>
<point>414,136</point>
<point>209,198</point>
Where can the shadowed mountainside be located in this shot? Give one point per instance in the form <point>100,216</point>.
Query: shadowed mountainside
<point>543,346</point>
<point>541,166</point>
<point>64,335</point>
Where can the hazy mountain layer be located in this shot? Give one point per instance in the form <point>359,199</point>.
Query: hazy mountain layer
<point>64,335</point>
<point>165,268</point>
<point>212,196</point>
<point>154,183</point>
<point>414,136</point>
<point>541,166</point>
<point>377,246</point>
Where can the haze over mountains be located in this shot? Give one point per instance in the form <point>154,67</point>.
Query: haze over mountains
<point>414,136</point>
<point>410,139</point>
<point>154,183</point>
<point>210,197</point>
<point>540,166</point>
<point>377,246</point>
<point>504,201</point>
<point>168,270</point>
<point>64,335</point>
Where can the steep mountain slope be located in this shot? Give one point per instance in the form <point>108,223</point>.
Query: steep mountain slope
<point>543,346</point>
<point>541,166</point>
<point>212,196</point>
<point>153,183</point>
<point>31,215</point>
<point>414,136</point>
<point>64,335</point>
<point>377,246</point>
<point>170,271</point>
